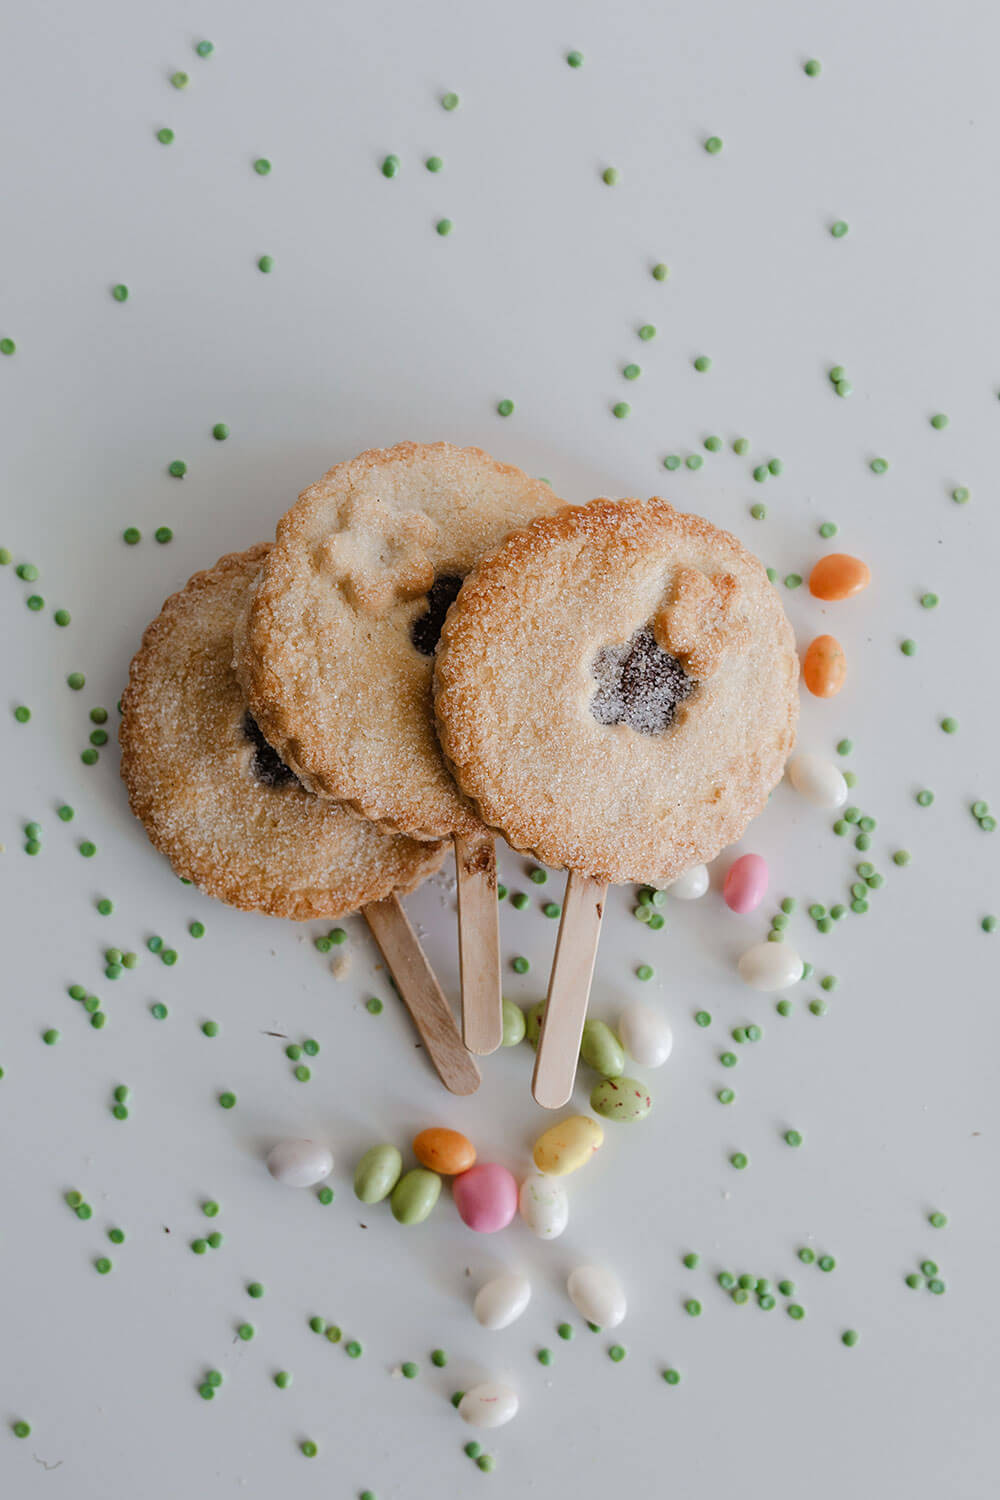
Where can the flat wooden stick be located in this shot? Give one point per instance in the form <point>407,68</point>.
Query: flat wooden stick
<point>569,990</point>
<point>421,994</point>
<point>479,942</point>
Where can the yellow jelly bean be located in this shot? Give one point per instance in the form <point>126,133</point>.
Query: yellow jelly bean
<point>839,576</point>
<point>824,667</point>
<point>567,1146</point>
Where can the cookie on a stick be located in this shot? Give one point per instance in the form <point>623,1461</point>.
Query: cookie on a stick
<point>232,818</point>
<point>336,653</point>
<point>615,690</point>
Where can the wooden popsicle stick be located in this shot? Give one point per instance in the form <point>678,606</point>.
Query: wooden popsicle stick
<point>569,990</point>
<point>479,941</point>
<point>421,994</point>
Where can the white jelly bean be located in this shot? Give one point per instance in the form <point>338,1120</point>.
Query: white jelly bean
<point>597,1295</point>
<point>645,1034</point>
<point>689,886</point>
<point>770,966</point>
<point>544,1206</point>
<point>818,780</point>
<point>502,1301</point>
<point>299,1163</point>
<point>488,1405</point>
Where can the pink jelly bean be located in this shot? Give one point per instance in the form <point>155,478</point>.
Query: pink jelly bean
<point>486,1197</point>
<point>746,883</point>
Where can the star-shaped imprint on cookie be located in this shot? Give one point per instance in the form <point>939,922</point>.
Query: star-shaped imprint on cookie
<point>700,624</point>
<point>379,555</point>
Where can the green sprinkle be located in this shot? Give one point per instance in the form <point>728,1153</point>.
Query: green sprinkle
<point>939,421</point>
<point>165,136</point>
<point>726,1280</point>
<point>611,176</point>
<point>255,1289</point>
<point>486,1462</point>
<point>282,1380</point>
<point>740,1296</point>
<point>220,432</point>
<point>844,388</point>
<point>795,1311</point>
<point>325,1195</point>
<point>120,292</point>
<point>309,1448</point>
<point>27,571</point>
<point>826,1263</point>
<point>21,1429</point>
<point>760,473</point>
<point>741,445</point>
<point>22,714</point>
<point>35,602</point>
<point>929,1267</point>
<point>50,1037</point>
<point>565,1331</point>
<point>472,1449</point>
<point>632,372</point>
<point>227,1099</point>
<point>936,1286</point>
<point>575,59</point>
<point>262,166</point>
<point>520,965</point>
<point>205,49</point>
<point>949,725</point>
<point>444,226</point>
<point>702,363</point>
<point>102,1265</point>
<point>879,465</point>
<point>266,264</point>
<point>672,462</point>
<point>758,511</point>
<point>775,466</point>
<point>163,534</point>
<point>672,1377</point>
<point>178,468</point>
<point>246,1332</point>
<point>726,1096</point>
<point>713,444</point>
<point>84,1212</point>
<point>828,529</point>
<point>793,1138</point>
<point>702,1018</point>
<point>660,272</point>
<point>694,460</point>
<point>168,956</point>
<point>645,971</point>
<point>739,1160</point>
<point>617,1353</point>
<point>62,616</point>
<point>434,164</point>
<point>552,909</point>
<point>353,1349</point>
<point>116,1236</point>
<point>505,407</point>
<point>728,1059</point>
<point>929,601</point>
<point>989,924</point>
<point>793,580</point>
<point>374,1006</point>
<point>87,849</point>
<point>439,1358</point>
<point>818,1007</point>
<point>713,145</point>
<point>197,929</point>
<point>76,681</point>
<point>693,1308</point>
<point>960,495</point>
<point>647,332</point>
<point>938,1219</point>
<point>812,68</point>
<point>839,228</point>
<point>302,1073</point>
<point>849,1338</point>
<point>449,101</point>
<point>621,409</point>
<point>390,166</point>
<point>806,1256</point>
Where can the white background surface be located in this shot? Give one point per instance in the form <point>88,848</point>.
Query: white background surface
<point>372,329</point>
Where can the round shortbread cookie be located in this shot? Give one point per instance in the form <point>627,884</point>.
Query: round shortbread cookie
<point>212,794</point>
<point>615,689</point>
<point>336,652</point>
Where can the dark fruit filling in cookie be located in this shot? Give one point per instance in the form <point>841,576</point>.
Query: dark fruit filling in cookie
<point>639,685</point>
<point>267,765</point>
<point>425,632</point>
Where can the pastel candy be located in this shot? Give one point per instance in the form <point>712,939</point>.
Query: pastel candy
<point>689,886</point>
<point>646,1034</point>
<point>818,780</point>
<point>770,966</point>
<point>824,667</point>
<point>543,1206</point>
<point>415,1195</point>
<point>565,1147</point>
<point>513,1024</point>
<point>446,1151</point>
<point>377,1173</point>
<point>597,1295</point>
<point>839,576</point>
<point>746,883</point>
<point>486,1197</point>
<point>488,1405</point>
<point>501,1301</point>
<point>601,1049</point>
<point>299,1163</point>
<point>622,1099</point>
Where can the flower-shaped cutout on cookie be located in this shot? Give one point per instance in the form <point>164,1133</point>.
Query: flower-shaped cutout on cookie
<point>379,555</point>
<point>700,624</point>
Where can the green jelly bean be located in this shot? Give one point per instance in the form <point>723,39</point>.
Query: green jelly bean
<point>533,1022</point>
<point>415,1195</point>
<point>601,1050</point>
<point>623,1099</point>
<point>514,1024</point>
<point>377,1173</point>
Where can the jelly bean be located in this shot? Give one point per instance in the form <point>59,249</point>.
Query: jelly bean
<point>839,576</point>
<point>488,1405</point>
<point>623,1099</point>
<point>597,1295</point>
<point>445,1151</point>
<point>601,1049</point>
<point>824,667</point>
<point>299,1163</point>
<point>415,1195</point>
<point>565,1147</point>
<point>770,966</point>
<point>746,883</point>
<point>377,1173</point>
<point>646,1034</point>
<point>533,1022</point>
<point>513,1024</point>
<point>689,886</point>
<point>544,1206</point>
<point>486,1197</point>
<point>502,1301</point>
<point>818,780</point>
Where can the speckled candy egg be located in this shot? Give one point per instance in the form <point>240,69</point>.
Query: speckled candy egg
<point>621,1099</point>
<point>567,1145</point>
<point>597,1295</point>
<point>502,1301</point>
<point>646,1034</point>
<point>486,1197</point>
<point>544,1206</point>
<point>299,1163</point>
<point>488,1405</point>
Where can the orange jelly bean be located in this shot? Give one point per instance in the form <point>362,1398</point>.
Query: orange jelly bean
<point>446,1151</point>
<point>824,667</point>
<point>839,576</point>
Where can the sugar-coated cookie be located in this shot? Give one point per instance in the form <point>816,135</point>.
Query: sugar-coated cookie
<point>336,650</point>
<point>212,793</point>
<point>615,689</point>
